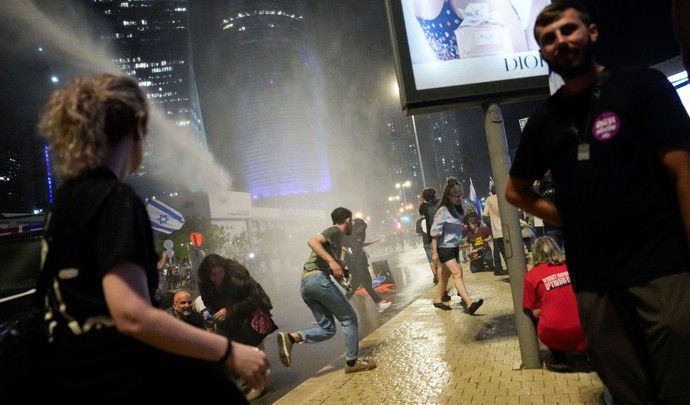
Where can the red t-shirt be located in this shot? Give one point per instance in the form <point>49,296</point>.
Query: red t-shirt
<point>548,288</point>
<point>478,239</point>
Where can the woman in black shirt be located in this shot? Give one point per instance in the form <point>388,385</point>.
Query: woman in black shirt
<point>110,341</point>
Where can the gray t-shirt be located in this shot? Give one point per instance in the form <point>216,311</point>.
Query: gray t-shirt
<point>333,245</point>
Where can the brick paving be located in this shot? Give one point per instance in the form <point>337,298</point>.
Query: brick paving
<point>429,356</point>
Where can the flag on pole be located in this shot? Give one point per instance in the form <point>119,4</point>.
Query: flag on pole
<point>164,218</point>
<point>474,200</point>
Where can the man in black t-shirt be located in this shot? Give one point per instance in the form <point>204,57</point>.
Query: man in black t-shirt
<point>183,308</point>
<point>357,261</point>
<point>620,140</point>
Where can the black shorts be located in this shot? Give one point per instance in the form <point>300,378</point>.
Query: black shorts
<point>447,254</point>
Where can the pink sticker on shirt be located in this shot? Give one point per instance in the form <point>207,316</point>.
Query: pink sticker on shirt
<point>606,126</point>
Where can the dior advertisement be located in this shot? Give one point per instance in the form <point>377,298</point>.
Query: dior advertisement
<point>461,42</point>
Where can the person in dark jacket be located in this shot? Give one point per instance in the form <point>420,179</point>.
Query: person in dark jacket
<point>232,296</point>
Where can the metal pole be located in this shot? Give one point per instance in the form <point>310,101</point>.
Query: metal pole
<point>419,153</point>
<point>512,237</point>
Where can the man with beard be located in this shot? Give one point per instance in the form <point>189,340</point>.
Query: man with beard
<point>620,140</point>
<point>183,308</point>
<point>325,299</point>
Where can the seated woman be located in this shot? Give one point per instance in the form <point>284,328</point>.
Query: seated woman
<point>549,297</point>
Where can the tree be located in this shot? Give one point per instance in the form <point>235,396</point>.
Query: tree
<point>215,237</point>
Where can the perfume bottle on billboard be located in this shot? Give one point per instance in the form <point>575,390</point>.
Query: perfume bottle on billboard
<point>490,27</point>
<point>482,33</point>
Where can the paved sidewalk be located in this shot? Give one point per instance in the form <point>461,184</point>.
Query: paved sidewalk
<point>429,356</point>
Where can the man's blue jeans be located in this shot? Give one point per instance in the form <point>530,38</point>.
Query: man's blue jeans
<point>327,302</point>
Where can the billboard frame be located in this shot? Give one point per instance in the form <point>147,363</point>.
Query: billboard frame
<point>415,101</point>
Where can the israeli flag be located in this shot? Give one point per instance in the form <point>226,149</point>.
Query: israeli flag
<point>474,200</point>
<point>163,218</point>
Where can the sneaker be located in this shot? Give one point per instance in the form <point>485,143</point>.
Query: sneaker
<point>360,365</point>
<point>445,297</point>
<point>383,305</point>
<point>475,306</point>
<point>285,348</point>
<point>442,306</point>
<point>558,367</point>
<point>500,273</point>
<point>254,394</point>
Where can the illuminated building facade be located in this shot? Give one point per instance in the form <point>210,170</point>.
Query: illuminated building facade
<point>445,130</point>
<point>10,183</point>
<point>153,42</point>
<point>404,154</point>
<point>438,137</point>
<point>274,126</point>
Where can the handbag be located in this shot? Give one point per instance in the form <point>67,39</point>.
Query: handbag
<point>262,322</point>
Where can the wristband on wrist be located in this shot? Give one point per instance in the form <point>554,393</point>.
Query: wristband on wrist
<point>228,353</point>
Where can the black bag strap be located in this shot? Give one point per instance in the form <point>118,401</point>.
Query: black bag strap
<point>53,223</point>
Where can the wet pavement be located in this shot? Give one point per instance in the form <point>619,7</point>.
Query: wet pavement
<point>413,279</point>
<point>429,356</point>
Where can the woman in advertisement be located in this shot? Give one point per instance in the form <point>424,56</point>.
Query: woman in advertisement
<point>460,29</point>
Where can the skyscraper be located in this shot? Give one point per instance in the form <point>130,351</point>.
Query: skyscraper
<point>274,131</point>
<point>405,156</point>
<point>445,130</point>
<point>152,39</point>
<point>10,183</point>
<point>438,137</point>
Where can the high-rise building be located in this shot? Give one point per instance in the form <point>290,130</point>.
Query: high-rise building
<point>26,182</point>
<point>153,44</point>
<point>274,132</point>
<point>434,135</point>
<point>405,157</point>
<point>10,183</point>
<point>445,130</point>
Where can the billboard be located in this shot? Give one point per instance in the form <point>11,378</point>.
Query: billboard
<point>466,52</point>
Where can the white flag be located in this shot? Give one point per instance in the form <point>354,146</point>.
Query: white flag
<point>163,218</point>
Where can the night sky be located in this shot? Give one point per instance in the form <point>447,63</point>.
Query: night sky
<point>353,47</point>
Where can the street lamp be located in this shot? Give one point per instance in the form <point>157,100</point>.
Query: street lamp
<point>396,94</point>
<point>394,200</point>
<point>403,186</point>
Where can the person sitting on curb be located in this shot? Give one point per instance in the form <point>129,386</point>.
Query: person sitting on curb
<point>549,298</point>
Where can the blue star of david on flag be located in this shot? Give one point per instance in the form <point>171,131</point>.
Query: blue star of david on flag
<point>163,217</point>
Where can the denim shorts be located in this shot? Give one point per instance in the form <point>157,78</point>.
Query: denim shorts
<point>447,254</point>
<point>428,251</point>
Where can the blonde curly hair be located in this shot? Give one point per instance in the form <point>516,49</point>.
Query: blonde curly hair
<point>545,250</point>
<point>88,116</point>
